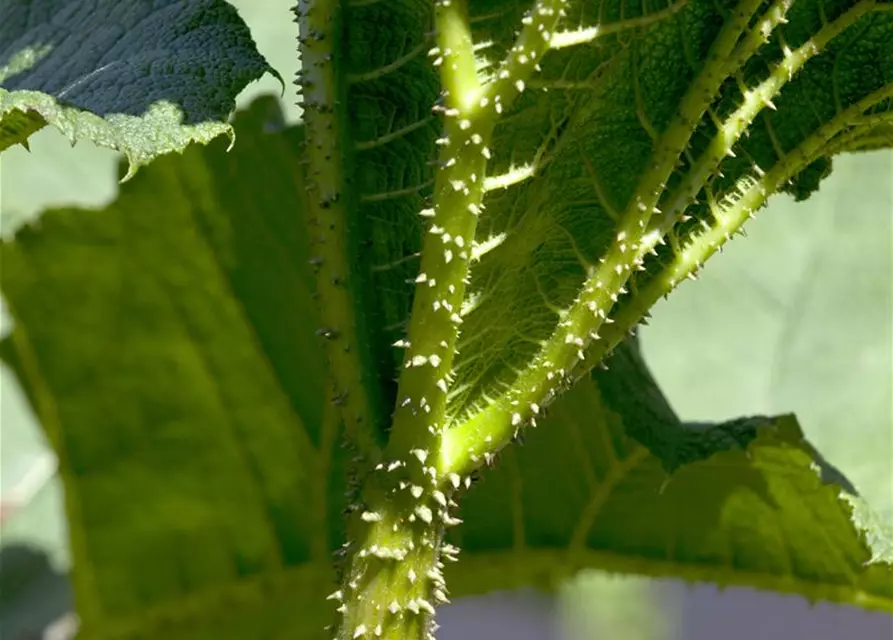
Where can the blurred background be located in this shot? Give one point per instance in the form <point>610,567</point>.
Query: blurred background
<point>797,317</point>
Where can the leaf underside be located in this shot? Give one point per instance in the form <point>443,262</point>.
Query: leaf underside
<point>142,78</point>
<point>203,473</point>
<point>586,124</point>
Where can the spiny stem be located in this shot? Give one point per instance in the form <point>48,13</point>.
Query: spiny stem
<point>455,50</point>
<point>328,204</point>
<point>395,577</point>
<point>754,102</point>
<point>446,248</point>
<point>471,111</point>
<point>697,176</point>
<point>535,39</point>
<point>394,574</point>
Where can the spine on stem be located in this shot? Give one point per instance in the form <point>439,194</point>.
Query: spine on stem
<point>394,579</point>
<point>321,84</point>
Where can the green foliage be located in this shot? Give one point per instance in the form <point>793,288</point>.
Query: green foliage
<point>217,382</point>
<point>187,267</point>
<point>142,78</point>
<point>241,311</point>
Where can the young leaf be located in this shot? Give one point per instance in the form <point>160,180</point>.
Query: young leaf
<point>143,78</point>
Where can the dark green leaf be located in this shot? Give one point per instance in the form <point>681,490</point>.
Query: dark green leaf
<point>142,78</point>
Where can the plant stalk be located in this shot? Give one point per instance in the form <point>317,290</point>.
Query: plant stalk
<point>328,202</point>
<point>394,579</point>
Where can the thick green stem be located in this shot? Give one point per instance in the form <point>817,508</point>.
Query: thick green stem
<point>394,578</point>
<point>440,285</point>
<point>471,110</point>
<point>328,203</point>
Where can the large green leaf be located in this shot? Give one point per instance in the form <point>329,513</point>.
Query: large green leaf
<point>587,123</point>
<point>142,78</point>
<point>180,387</point>
<point>204,484</point>
<point>752,336</point>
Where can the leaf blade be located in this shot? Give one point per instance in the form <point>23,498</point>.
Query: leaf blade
<point>149,79</point>
<point>749,509</point>
<point>173,381</point>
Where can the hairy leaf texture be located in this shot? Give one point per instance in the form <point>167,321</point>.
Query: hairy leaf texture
<point>572,151</point>
<point>142,78</point>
